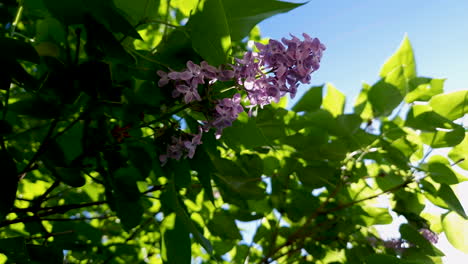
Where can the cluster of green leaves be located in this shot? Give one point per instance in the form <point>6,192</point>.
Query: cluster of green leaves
<point>82,120</point>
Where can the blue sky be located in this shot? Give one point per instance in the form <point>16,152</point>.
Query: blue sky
<point>361,34</point>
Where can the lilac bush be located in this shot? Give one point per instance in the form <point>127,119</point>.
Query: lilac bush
<point>264,76</point>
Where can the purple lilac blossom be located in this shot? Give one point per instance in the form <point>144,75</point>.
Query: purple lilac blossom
<point>226,111</point>
<point>266,76</point>
<point>186,82</point>
<point>397,244</point>
<point>429,235</point>
<point>276,69</point>
<point>181,148</point>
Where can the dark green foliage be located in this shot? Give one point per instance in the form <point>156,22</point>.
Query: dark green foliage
<point>83,125</point>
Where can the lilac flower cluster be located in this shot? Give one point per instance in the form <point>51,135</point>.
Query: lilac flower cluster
<point>397,244</point>
<point>180,147</point>
<point>186,82</point>
<point>429,235</point>
<point>276,69</point>
<point>226,111</point>
<point>266,76</point>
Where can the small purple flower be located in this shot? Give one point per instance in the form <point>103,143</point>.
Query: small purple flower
<point>173,151</point>
<point>193,71</point>
<point>192,145</point>
<point>190,92</point>
<point>208,71</point>
<point>164,78</point>
<point>226,111</point>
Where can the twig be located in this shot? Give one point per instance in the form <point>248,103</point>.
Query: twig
<point>38,201</point>
<point>41,149</point>
<point>77,219</point>
<point>394,188</point>
<point>78,43</point>
<point>300,231</point>
<point>47,211</point>
<point>166,115</point>
<point>132,235</point>
<point>50,235</point>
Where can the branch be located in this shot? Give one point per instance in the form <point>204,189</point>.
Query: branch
<point>175,111</point>
<point>50,235</point>
<point>301,231</point>
<point>39,152</point>
<point>394,188</point>
<point>132,235</point>
<point>38,201</point>
<point>60,209</point>
<point>77,219</point>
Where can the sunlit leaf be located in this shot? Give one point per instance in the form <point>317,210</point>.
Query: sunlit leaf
<point>451,105</point>
<point>210,31</point>
<point>334,101</point>
<point>456,230</point>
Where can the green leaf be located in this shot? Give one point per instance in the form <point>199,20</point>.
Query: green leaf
<point>459,153</point>
<point>125,183</point>
<point>102,43</point>
<point>384,259</point>
<point>403,58</point>
<point>139,10</point>
<point>176,246</point>
<point>448,195</point>
<point>334,101</point>
<point>452,105</point>
<point>15,249</point>
<point>243,15</point>
<point>422,117</point>
<point>202,163</point>
<point>384,97</point>
<point>223,225</point>
<point>70,12</point>
<point>141,156</point>
<point>106,13</point>
<point>70,142</point>
<point>9,179</point>
<point>185,6</point>
<point>210,32</point>
<point>376,216</point>
<point>37,107</point>
<point>316,176</point>
<point>130,212</point>
<point>18,50</point>
<point>50,29</point>
<point>414,237</point>
<point>442,139</point>
<point>171,200</point>
<point>70,176</point>
<point>456,230</point>
<point>440,171</point>
<point>423,89</point>
<point>13,71</point>
<point>43,254</point>
<point>362,106</point>
<point>244,133</point>
<point>310,101</point>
